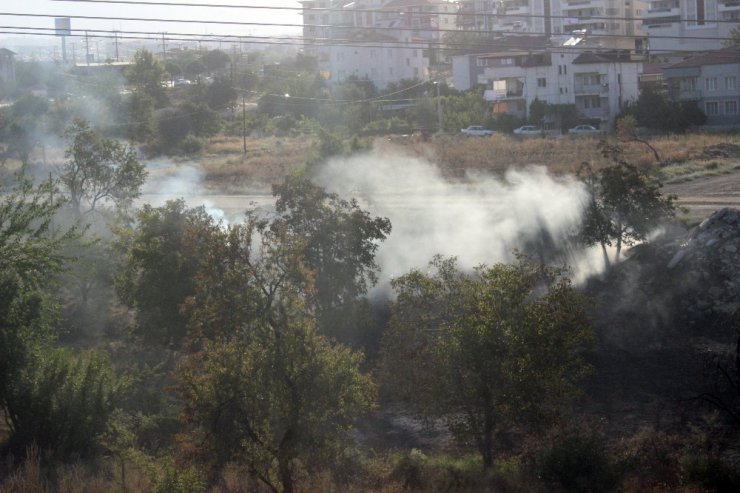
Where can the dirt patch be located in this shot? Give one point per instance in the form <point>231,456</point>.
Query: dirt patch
<point>724,150</point>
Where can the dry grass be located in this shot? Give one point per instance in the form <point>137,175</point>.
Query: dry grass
<point>227,168</point>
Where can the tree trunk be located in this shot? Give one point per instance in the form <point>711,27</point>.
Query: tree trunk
<point>487,445</point>
<point>286,478</point>
<point>606,255</point>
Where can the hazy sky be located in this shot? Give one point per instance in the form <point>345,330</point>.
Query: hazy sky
<point>72,8</point>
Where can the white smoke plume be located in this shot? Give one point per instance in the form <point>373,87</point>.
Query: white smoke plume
<point>482,219</point>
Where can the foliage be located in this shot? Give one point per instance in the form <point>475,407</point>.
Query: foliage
<point>486,350</point>
<point>99,169</point>
<point>60,402</point>
<point>734,38</point>
<point>215,60</point>
<point>146,76</point>
<point>162,259</point>
<point>624,205</point>
<point>21,124</point>
<point>220,94</point>
<point>653,109</point>
<point>277,400</point>
<point>578,461</point>
<point>338,241</point>
<point>30,253</point>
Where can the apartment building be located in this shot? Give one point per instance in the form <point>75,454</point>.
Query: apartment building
<point>552,17</point>
<point>678,25</point>
<point>598,83</point>
<point>712,80</point>
<point>383,40</point>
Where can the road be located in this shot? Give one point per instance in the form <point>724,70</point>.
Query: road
<point>704,195</point>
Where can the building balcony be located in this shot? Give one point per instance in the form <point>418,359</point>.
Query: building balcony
<point>595,113</point>
<point>684,95</point>
<point>728,6</point>
<point>661,12</point>
<point>518,10</point>
<point>586,89</point>
<point>581,4</point>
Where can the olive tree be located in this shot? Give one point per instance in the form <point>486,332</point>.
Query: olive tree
<point>486,350</point>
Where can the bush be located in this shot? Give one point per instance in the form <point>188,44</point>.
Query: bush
<point>61,403</point>
<point>577,462</point>
<point>191,145</point>
<point>711,473</point>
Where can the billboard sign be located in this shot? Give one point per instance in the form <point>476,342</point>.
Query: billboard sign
<point>62,26</point>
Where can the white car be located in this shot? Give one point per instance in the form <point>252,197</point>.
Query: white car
<point>528,130</point>
<point>477,130</point>
<point>584,130</point>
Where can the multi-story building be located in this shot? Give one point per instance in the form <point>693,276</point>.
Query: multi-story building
<point>598,83</point>
<point>712,81</point>
<point>383,40</point>
<point>552,17</point>
<point>679,25</point>
<point>376,57</point>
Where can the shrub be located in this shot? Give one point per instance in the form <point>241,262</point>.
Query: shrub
<point>578,461</point>
<point>711,473</point>
<point>191,145</point>
<point>61,403</point>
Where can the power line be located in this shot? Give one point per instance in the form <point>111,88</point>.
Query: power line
<point>333,42</point>
<point>459,13</point>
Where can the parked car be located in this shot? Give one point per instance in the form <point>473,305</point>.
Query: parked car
<point>477,130</point>
<point>584,130</point>
<point>528,130</point>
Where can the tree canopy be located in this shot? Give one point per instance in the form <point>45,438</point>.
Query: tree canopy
<point>486,350</point>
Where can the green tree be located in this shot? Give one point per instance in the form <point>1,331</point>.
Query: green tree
<point>30,253</point>
<point>338,241</point>
<point>654,109</point>
<point>220,94</point>
<point>266,390</point>
<point>22,122</point>
<point>216,60</point>
<point>162,257</point>
<point>61,402</point>
<point>498,347</point>
<point>624,205</point>
<point>99,170</point>
<point>146,76</point>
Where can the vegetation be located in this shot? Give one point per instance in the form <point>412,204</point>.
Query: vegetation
<point>159,349</point>
<point>487,351</point>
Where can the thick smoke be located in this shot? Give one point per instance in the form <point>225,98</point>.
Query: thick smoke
<point>171,181</point>
<point>482,219</point>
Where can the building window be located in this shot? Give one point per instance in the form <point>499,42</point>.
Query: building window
<point>541,82</point>
<point>711,83</point>
<point>565,70</point>
<point>730,107</point>
<point>560,70</point>
<point>711,108</point>
<point>730,82</point>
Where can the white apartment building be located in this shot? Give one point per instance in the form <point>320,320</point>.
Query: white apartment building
<point>383,40</point>
<point>712,81</point>
<point>597,83</point>
<point>552,17</point>
<point>696,25</point>
<point>378,58</point>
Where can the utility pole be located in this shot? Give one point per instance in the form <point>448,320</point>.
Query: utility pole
<point>439,108</point>
<point>244,125</point>
<point>164,50</point>
<point>87,50</point>
<point>117,59</point>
